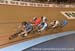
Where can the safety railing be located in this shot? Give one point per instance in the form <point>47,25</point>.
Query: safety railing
<point>33,4</point>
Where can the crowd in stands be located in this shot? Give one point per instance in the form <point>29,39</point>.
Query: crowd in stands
<point>49,1</point>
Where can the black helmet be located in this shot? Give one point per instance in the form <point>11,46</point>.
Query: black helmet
<point>41,17</point>
<point>24,23</point>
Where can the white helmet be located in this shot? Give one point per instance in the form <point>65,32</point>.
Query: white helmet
<point>44,18</point>
<point>34,18</point>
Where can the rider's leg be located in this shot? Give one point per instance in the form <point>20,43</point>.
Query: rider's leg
<point>27,31</point>
<point>43,28</point>
<point>23,33</point>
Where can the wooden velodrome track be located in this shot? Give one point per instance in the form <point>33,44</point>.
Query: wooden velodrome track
<point>12,16</point>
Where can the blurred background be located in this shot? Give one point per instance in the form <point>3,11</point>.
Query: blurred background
<point>50,1</point>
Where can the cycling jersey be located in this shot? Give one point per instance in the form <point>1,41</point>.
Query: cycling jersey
<point>37,22</point>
